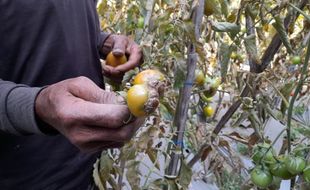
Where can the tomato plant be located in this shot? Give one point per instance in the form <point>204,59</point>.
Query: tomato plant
<point>244,51</point>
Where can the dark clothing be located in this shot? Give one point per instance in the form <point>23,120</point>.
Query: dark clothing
<point>43,42</point>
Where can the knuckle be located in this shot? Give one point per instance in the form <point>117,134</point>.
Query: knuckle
<point>77,141</point>
<point>82,79</point>
<point>66,117</point>
<point>125,136</point>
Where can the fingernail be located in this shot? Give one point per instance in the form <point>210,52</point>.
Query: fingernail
<point>118,52</point>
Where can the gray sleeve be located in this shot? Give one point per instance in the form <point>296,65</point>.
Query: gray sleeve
<point>17,108</point>
<point>102,39</point>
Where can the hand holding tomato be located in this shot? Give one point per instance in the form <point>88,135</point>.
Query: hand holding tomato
<point>92,119</point>
<point>121,47</point>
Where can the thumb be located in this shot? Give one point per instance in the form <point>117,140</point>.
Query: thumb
<point>119,46</point>
<point>87,90</point>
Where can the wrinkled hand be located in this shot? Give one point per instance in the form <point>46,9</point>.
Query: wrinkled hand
<point>120,45</point>
<point>91,118</point>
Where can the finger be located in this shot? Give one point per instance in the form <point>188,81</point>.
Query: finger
<point>102,115</point>
<point>119,45</point>
<point>96,146</point>
<point>109,71</point>
<point>87,90</point>
<point>135,59</point>
<point>122,134</point>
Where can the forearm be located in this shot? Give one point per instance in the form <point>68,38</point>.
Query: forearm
<point>17,114</point>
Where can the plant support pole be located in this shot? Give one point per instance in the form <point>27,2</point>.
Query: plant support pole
<point>185,93</point>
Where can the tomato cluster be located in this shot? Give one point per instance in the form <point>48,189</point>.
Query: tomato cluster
<point>208,86</point>
<point>269,166</point>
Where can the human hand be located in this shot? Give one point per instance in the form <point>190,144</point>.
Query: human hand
<point>91,118</point>
<point>121,45</point>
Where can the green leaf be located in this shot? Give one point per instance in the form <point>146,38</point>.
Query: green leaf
<point>164,112</point>
<point>300,11</point>
<point>153,157</point>
<point>286,92</point>
<point>180,73</point>
<point>129,151</point>
<point>133,174</point>
<point>279,26</point>
<point>228,27</point>
<point>185,175</point>
<point>251,48</point>
<point>106,166</point>
<point>224,7</point>
<point>252,10</point>
<point>224,54</point>
<point>158,184</point>
<point>96,175</point>
<point>103,168</point>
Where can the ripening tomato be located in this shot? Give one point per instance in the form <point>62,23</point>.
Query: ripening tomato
<point>199,77</point>
<point>137,96</point>
<point>208,111</point>
<point>261,177</point>
<point>148,75</point>
<point>114,61</point>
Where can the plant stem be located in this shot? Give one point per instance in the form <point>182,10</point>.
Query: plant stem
<point>297,90</point>
<point>185,93</point>
<point>290,109</point>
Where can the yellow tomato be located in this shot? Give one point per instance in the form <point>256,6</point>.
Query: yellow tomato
<point>147,75</point>
<point>137,96</point>
<point>115,61</point>
<point>208,111</point>
<point>199,77</point>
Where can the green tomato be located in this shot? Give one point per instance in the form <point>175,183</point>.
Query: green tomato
<point>261,177</point>
<point>260,153</point>
<point>300,150</point>
<point>140,23</point>
<point>306,173</point>
<point>279,169</point>
<point>296,60</point>
<point>295,164</point>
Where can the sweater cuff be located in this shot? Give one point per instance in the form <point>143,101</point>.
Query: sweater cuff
<point>103,37</point>
<point>20,109</point>
<point>103,47</point>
